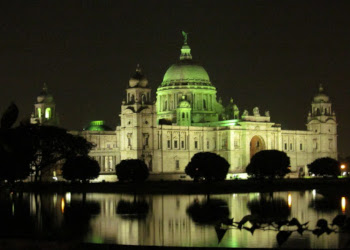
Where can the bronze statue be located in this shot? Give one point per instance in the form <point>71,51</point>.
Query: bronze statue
<point>185,36</point>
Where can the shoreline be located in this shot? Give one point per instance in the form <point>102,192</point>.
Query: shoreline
<point>185,187</point>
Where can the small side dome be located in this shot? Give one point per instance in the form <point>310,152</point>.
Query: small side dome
<point>97,126</point>
<point>184,103</point>
<point>138,79</point>
<point>321,96</point>
<point>44,96</point>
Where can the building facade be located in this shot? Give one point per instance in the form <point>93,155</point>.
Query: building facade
<point>188,118</point>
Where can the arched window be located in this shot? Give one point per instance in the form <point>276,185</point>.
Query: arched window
<point>204,104</point>
<point>183,115</point>
<point>143,98</point>
<point>39,112</point>
<point>165,105</point>
<point>48,113</point>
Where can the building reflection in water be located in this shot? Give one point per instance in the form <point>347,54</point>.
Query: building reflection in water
<point>166,222</point>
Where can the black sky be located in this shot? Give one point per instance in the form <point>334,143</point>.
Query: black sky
<point>270,54</point>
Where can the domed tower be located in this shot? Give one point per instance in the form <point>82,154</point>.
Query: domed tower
<point>187,78</point>
<point>44,109</point>
<point>138,90</point>
<point>137,120</point>
<point>322,122</point>
<point>183,113</point>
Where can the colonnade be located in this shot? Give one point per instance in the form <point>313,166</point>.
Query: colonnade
<point>107,163</point>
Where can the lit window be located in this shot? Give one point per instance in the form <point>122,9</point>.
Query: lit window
<point>39,112</point>
<point>48,113</point>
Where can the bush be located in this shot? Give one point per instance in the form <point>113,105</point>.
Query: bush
<point>210,166</point>
<point>269,163</point>
<point>325,167</point>
<point>132,170</point>
<point>81,168</point>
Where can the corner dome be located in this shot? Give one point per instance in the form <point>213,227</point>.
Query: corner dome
<point>321,96</point>
<point>184,103</point>
<point>44,96</point>
<point>138,79</point>
<point>186,71</point>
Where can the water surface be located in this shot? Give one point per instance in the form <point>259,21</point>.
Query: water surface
<point>171,220</point>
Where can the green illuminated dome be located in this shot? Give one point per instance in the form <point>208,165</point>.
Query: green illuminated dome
<point>97,126</point>
<point>186,72</point>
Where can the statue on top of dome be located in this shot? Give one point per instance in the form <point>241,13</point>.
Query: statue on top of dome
<point>185,36</point>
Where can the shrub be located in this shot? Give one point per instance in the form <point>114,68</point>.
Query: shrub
<point>81,168</point>
<point>210,166</point>
<point>269,163</point>
<point>132,170</point>
<point>325,167</point>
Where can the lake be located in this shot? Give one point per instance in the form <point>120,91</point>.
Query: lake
<point>176,220</point>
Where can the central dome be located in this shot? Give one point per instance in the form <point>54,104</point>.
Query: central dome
<point>186,71</point>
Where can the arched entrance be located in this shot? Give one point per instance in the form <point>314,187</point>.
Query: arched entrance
<point>256,144</point>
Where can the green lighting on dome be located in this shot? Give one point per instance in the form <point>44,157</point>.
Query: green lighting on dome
<point>98,125</point>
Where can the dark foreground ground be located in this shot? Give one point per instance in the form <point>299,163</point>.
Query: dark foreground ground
<point>187,187</point>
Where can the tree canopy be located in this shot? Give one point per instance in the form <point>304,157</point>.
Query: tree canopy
<point>210,166</point>
<point>29,148</point>
<point>81,168</point>
<point>53,144</point>
<point>325,167</point>
<point>16,147</point>
<point>269,163</point>
<point>132,170</point>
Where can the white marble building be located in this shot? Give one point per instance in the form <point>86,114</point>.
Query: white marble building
<point>187,118</point>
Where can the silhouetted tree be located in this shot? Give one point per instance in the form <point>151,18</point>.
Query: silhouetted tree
<point>132,170</point>
<point>325,167</point>
<point>53,144</point>
<point>269,163</point>
<point>209,166</point>
<point>16,147</point>
<point>81,168</point>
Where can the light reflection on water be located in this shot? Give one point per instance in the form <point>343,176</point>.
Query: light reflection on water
<point>171,220</point>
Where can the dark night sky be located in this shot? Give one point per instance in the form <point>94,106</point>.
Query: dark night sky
<point>271,54</point>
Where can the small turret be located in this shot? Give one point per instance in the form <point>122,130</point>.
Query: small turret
<point>44,109</point>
